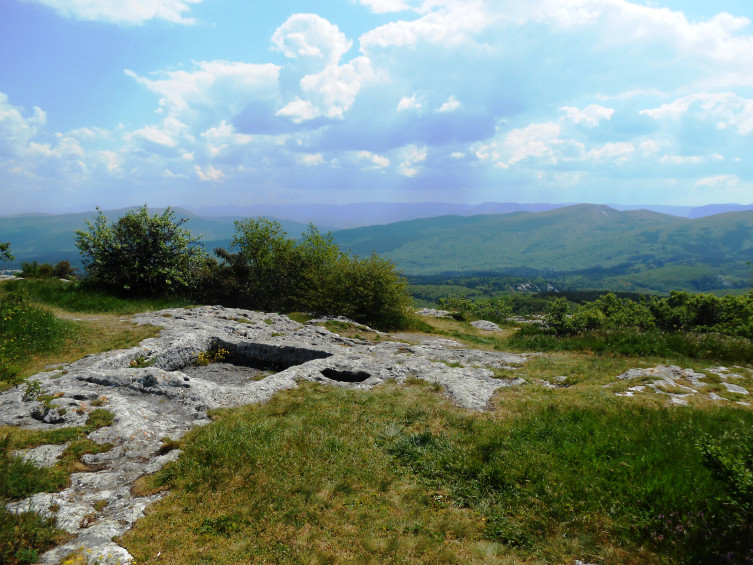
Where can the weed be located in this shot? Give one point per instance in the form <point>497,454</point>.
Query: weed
<point>141,362</point>
<point>205,358</point>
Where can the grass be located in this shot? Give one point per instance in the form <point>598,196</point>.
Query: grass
<point>75,297</point>
<point>631,342</point>
<point>23,537</point>
<point>35,333</point>
<point>25,331</point>
<point>399,475</point>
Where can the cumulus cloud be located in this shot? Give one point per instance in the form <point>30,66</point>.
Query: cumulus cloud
<point>618,152</point>
<point>411,156</point>
<point>310,159</point>
<point>133,12</point>
<point>209,174</point>
<point>311,36</point>
<point>726,109</point>
<point>16,130</point>
<point>451,105</point>
<point>213,84</point>
<point>591,115</point>
<point>447,23</point>
<point>373,161</point>
<point>408,103</point>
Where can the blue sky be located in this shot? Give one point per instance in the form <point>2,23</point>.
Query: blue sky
<point>216,102</point>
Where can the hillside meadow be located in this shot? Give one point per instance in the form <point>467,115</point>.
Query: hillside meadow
<point>550,473</point>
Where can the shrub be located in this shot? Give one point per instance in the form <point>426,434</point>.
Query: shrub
<point>33,270</point>
<point>267,271</point>
<point>5,254</point>
<point>492,309</point>
<point>140,254</point>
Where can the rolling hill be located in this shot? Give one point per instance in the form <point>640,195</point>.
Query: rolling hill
<point>585,245</point>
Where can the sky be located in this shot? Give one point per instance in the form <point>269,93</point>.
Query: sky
<point>198,103</point>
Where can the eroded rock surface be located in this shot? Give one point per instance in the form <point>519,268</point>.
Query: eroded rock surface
<point>155,391</point>
<point>683,384</point>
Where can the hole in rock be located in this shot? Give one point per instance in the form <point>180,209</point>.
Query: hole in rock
<point>252,362</point>
<point>346,376</point>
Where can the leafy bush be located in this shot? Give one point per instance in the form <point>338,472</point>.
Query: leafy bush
<point>492,309</point>
<point>33,270</point>
<point>140,254</point>
<point>5,254</point>
<point>267,271</point>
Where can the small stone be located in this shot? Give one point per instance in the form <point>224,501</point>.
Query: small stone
<point>735,388</point>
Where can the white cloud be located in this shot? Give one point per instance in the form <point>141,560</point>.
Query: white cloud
<point>411,156</point>
<point>310,159</point>
<point>214,84</point>
<point>123,12</point>
<point>457,155</point>
<point>447,23</point>
<point>681,159</point>
<point>309,35</point>
<point>373,160</point>
<point>15,129</point>
<point>650,146</point>
<point>719,181</point>
<point>406,103</point>
<point>299,111</point>
<point>112,160</point>
<point>209,174</point>
<point>591,115</point>
<point>619,152</point>
<point>536,141</point>
<point>621,22</point>
<point>385,6</point>
<point>333,91</point>
<point>451,105</point>
<point>727,109</point>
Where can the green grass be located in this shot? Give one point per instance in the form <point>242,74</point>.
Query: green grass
<point>75,297</point>
<point>399,475</point>
<point>26,330</point>
<point>23,537</point>
<point>632,342</point>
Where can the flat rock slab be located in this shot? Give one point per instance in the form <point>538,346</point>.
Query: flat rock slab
<point>163,394</point>
<point>486,326</point>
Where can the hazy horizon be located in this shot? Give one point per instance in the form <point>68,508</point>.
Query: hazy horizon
<point>197,103</point>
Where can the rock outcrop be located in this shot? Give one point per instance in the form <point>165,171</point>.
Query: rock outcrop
<point>155,391</point>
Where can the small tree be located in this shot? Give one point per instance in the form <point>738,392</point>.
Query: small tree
<point>140,254</point>
<point>5,254</point>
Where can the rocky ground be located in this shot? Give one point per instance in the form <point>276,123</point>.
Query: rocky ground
<point>156,391</point>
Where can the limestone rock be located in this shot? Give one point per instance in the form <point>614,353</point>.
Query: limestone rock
<point>267,353</point>
<point>486,325</point>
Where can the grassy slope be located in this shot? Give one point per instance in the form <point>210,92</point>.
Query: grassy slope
<point>591,243</point>
<point>327,475</point>
<point>398,474</point>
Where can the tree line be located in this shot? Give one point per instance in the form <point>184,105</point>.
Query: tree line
<point>152,255</point>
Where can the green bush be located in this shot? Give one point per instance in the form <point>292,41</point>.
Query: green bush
<point>5,254</point>
<point>492,309</point>
<point>33,270</point>
<point>265,270</point>
<point>140,254</point>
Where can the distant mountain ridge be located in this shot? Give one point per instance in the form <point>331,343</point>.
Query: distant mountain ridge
<point>584,245</point>
<point>346,216</point>
<point>588,245</point>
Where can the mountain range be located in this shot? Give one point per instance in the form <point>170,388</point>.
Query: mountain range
<point>582,246</point>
